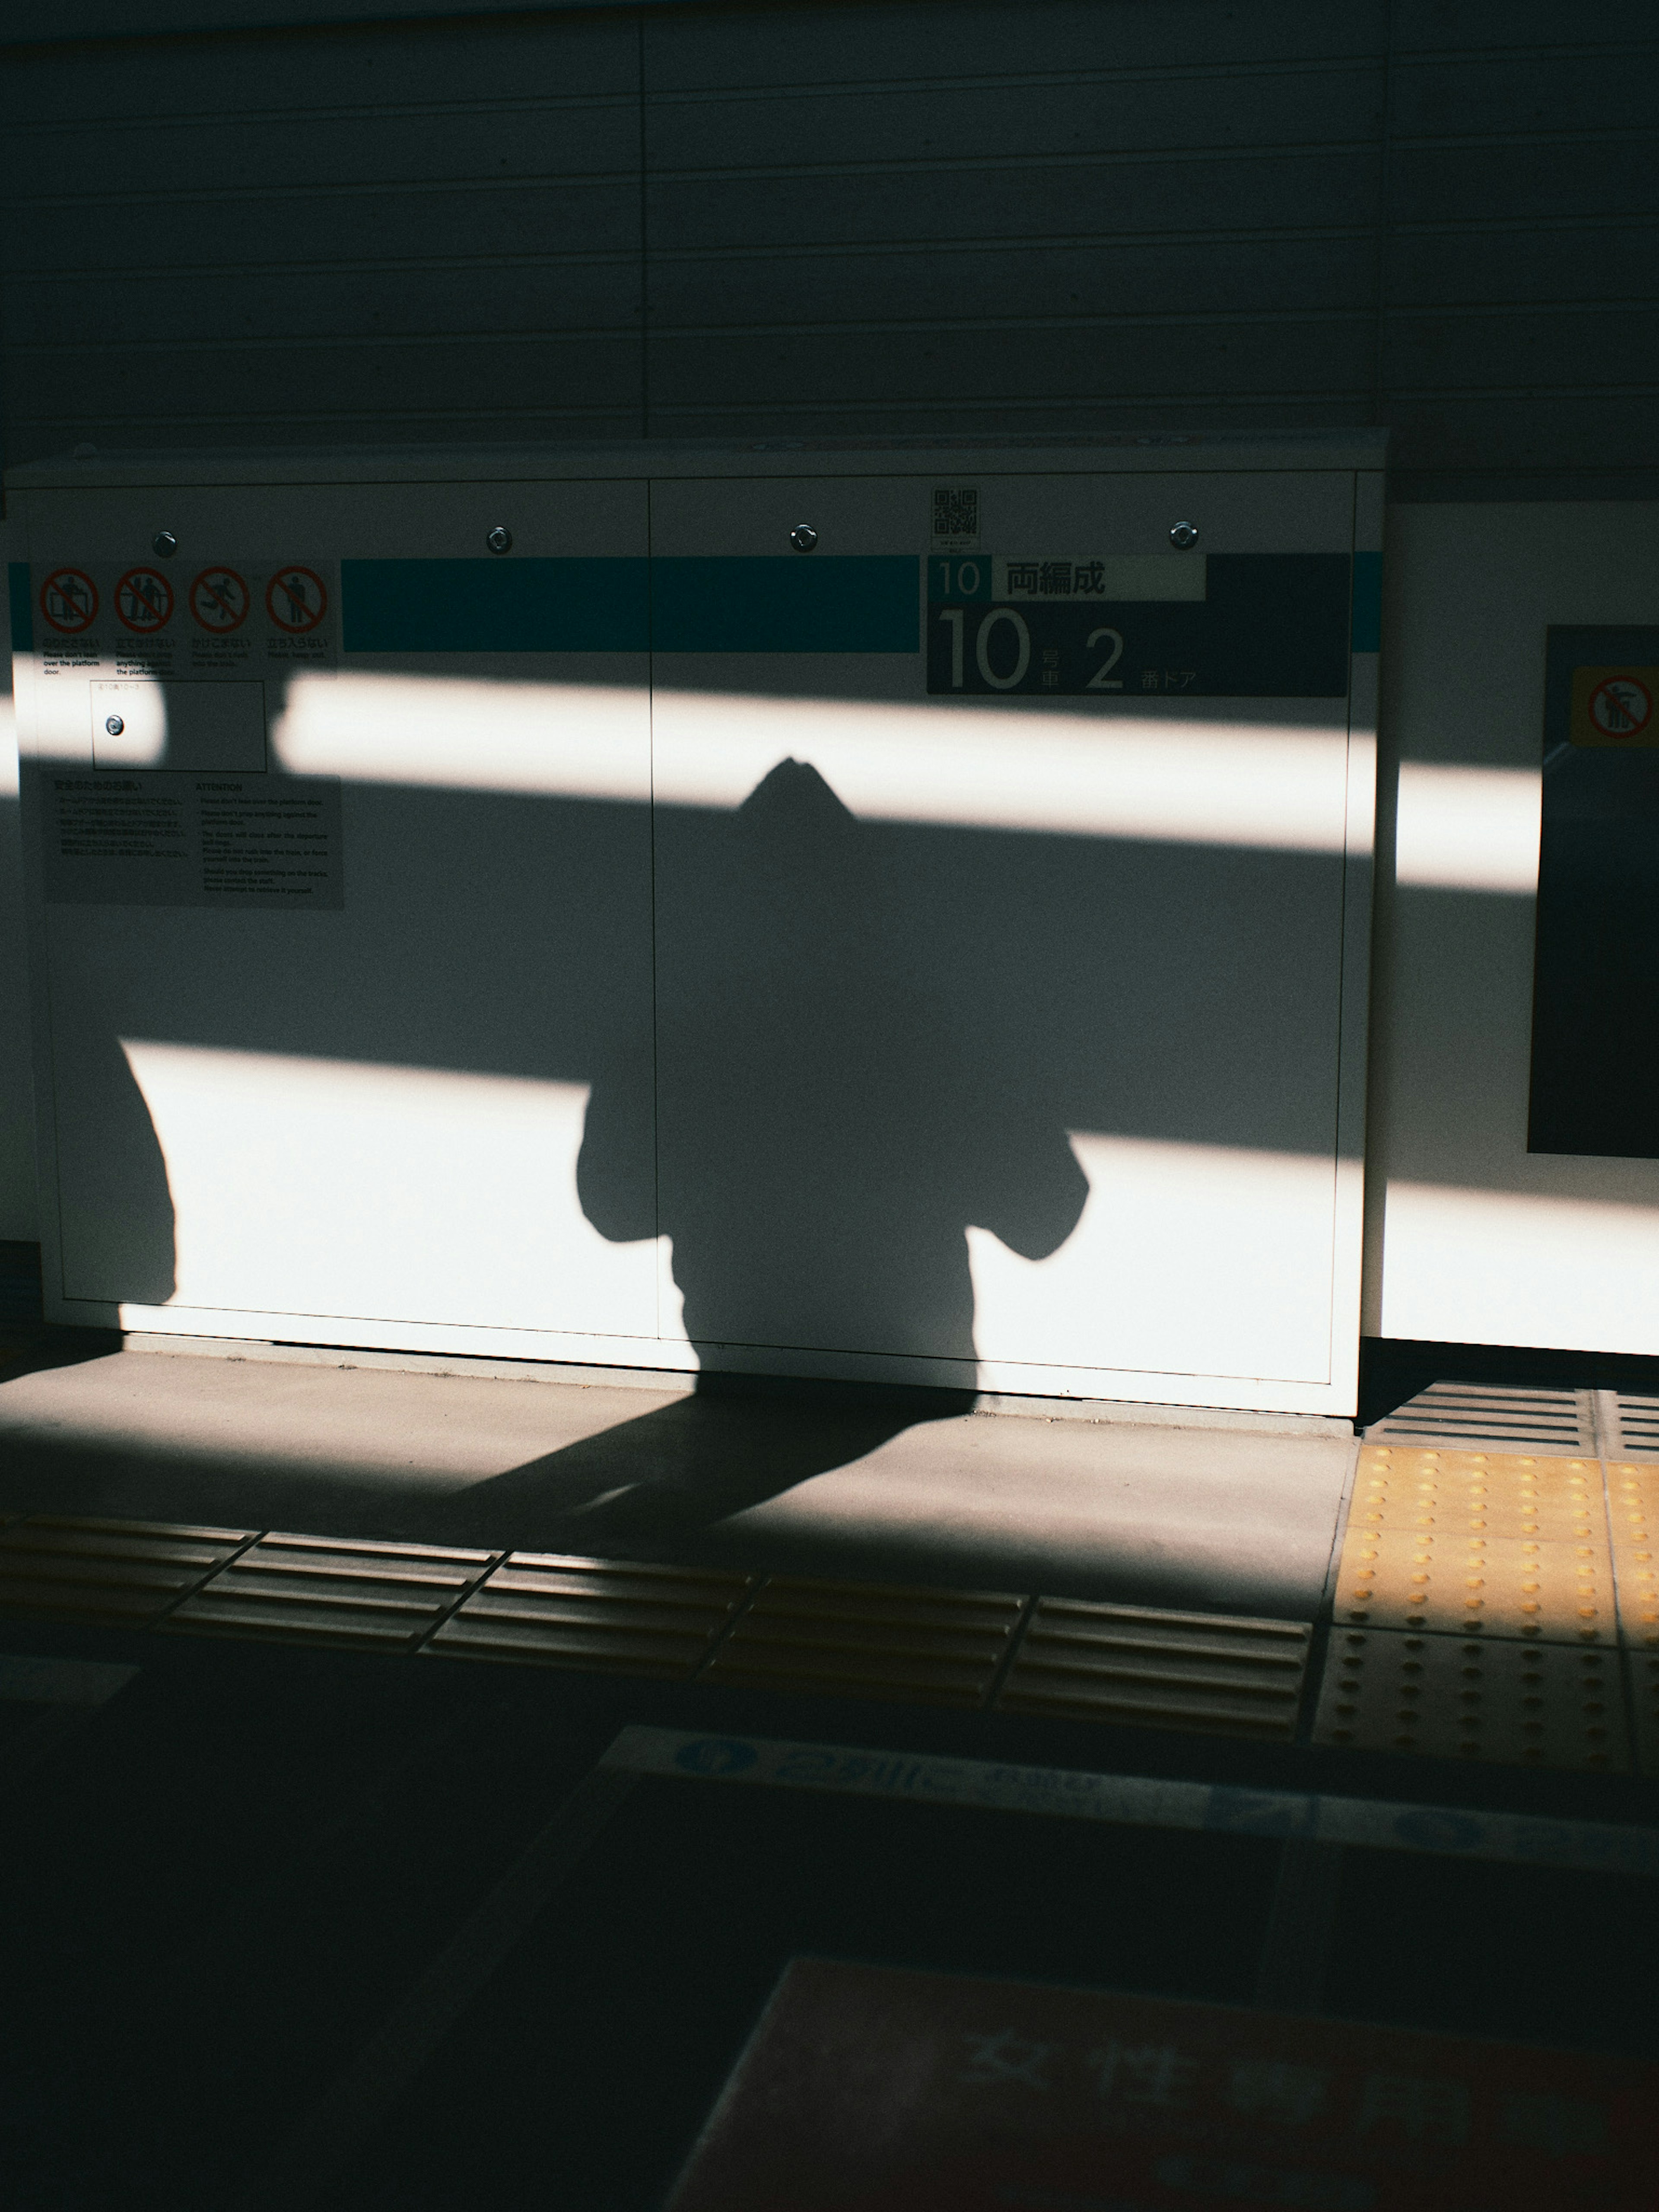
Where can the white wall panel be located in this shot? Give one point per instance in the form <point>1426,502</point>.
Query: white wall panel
<point>1472,1238</point>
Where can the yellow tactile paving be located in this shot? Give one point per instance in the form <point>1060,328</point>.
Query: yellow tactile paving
<point>1633,1501</point>
<point>1502,1544</point>
<point>1459,1696</point>
<point>1501,1494</point>
<point>1636,1575</point>
<point>1634,1512</point>
<point>1495,1586</point>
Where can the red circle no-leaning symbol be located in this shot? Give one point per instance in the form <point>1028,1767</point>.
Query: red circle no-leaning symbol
<point>219,599</point>
<point>143,599</point>
<point>295,600</point>
<point>69,600</point>
<point>1621,708</point>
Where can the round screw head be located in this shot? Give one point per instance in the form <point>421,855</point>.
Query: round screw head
<point>1183,535</point>
<point>803,538</point>
<point>165,544</point>
<point>500,540</point>
<point>114,725</point>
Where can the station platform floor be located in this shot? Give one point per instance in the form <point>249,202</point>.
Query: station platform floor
<point>306,1906</point>
<point>894,1487</point>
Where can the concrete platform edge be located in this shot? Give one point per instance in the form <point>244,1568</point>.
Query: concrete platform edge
<point>678,1382</point>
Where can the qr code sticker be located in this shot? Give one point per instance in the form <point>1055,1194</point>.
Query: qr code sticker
<point>956,516</point>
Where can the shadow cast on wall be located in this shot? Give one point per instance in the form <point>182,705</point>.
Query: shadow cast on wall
<point>824,1138</point>
<point>825,1133</point>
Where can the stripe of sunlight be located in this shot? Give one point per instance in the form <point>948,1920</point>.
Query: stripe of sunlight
<point>305,1184</point>
<point>1504,1266</point>
<point>1467,829</point>
<point>349,1188</point>
<point>1123,774</point>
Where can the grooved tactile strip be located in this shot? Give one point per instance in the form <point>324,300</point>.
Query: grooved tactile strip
<point>614,1615</point>
<point>1562,1421</point>
<point>1131,1663</point>
<point>1475,1543</point>
<point>1637,1428</point>
<point>868,1640</point>
<point>1459,1696</point>
<point>115,1571</point>
<point>323,1589</point>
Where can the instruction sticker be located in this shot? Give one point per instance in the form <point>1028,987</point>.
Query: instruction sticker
<point>158,838</point>
<point>238,619</point>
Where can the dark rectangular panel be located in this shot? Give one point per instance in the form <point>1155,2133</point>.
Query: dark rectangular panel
<point>1595,974</point>
<point>1273,626</point>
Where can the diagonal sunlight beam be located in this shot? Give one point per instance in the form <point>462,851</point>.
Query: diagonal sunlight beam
<point>1128,773</point>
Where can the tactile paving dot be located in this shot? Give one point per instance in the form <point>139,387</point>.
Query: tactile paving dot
<point>1457,1697</point>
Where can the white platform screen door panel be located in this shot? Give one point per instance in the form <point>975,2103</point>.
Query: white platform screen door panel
<point>276,1114</point>
<point>902,918</point>
<point>998,1004</point>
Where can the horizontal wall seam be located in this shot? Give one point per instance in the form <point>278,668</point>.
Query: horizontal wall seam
<point>218,118</point>
<point>996,165</point>
<point>20,274</point>
<point>1151,157</point>
<point>1525,226</point>
<point>1213,400</point>
<point>89,418</point>
<point>378,188</point>
<point>323,341</point>
<point>1019,80</point>
<point>1235,318</point>
<point>837,250</point>
<point>216,271</point>
<point>1357,63</point>
<point>1093,400</point>
<point>599,103</point>
<point>1018,402</point>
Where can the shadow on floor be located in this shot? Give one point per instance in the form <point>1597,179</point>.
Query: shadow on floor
<point>31,1347</point>
<point>1394,1369</point>
<point>649,1487</point>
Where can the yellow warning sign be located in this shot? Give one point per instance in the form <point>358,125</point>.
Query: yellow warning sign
<point>1614,707</point>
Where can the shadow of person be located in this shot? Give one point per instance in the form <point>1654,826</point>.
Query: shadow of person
<point>826,1134</point>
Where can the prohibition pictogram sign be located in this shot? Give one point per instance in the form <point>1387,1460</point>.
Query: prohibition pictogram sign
<point>220,599</point>
<point>143,599</point>
<point>69,600</point>
<point>295,600</point>
<point>1621,708</point>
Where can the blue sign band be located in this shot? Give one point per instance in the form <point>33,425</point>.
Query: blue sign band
<point>796,603</point>
<point>763,604</point>
<point>494,606</point>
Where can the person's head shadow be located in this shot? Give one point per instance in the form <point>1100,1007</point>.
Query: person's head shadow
<point>828,1127</point>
